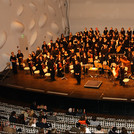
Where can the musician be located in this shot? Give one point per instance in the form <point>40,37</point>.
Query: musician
<point>120,48</point>
<point>91,31</point>
<point>111,31</point>
<point>122,32</point>
<point>30,64</point>
<point>44,45</point>
<point>67,64</point>
<point>51,67</point>
<point>59,66</point>
<point>105,31</point>
<point>116,33</point>
<point>33,58</point>
<point>60,69</point>
<point>86,32</point>
<point>41,66</point>
<point>84,61</point>
<point>77,72</point>
<point>112,47</point>
<point>129,54</point>
<point>121,75</point>
<point>38,51</point>
<point>65,43</point>
<point>52,44</point>
<point>105,52</point>
<point>20,59</point>
<point>13,59</point>
<point>132,63</point>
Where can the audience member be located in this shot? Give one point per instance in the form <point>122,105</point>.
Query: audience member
<point>99,130</point>
<point>123,130</point>
<point>32,122</point>
<point>93,121</point>
<point>13,117</point>
<point>113,130</point>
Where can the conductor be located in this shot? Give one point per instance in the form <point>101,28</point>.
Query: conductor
<point>77,72</point>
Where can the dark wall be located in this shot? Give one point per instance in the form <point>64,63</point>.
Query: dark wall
<point>21,97</point>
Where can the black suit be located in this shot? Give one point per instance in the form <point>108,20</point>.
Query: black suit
<point>14,65</point>
<point>51,69</point>
<point>77,72</point>
<point>121,73</point>
<point>19,55</point>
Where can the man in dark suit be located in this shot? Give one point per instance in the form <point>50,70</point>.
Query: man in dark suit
<point>51,68</point>
<point>77,72</point>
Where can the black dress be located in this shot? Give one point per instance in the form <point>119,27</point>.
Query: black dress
<point>14,65</point>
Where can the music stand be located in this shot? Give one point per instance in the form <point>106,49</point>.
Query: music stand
<point>91,68</point>
<point>99,66</point>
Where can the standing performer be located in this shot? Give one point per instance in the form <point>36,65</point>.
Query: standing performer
<point>51,68</point>
<point>84,62</point>
<point>20,59</point>
<point>59,69</point>
<point>41,66</point>
<point>77,72</point>
<point>13,60</point>
<point>30,63</point>
<point>132,63</point>
<point>121,75</point>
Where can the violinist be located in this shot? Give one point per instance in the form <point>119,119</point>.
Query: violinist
<point>13,60</point>
<point>20,59</point>
<point>30,64</point>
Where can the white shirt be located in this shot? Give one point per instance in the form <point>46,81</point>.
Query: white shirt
<point>88,131</point>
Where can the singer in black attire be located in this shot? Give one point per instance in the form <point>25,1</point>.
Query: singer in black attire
<point>30,64</point>
<point>13,60</point>
<point>20,59</point>
<point>77,72</point>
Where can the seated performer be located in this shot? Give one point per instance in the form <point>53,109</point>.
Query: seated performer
<point>13,60</point>
<point>77,72</point>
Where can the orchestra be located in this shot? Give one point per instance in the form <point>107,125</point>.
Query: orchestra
<point>83,48</point>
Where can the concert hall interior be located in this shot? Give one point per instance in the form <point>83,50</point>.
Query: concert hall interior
<point>73,55</point>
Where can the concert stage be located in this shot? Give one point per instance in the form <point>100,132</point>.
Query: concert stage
<point>67,87</point>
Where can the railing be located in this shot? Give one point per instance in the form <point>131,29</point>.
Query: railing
<point>7,67</point>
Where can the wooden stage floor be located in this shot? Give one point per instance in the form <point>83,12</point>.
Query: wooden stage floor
<point>68,88</point>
